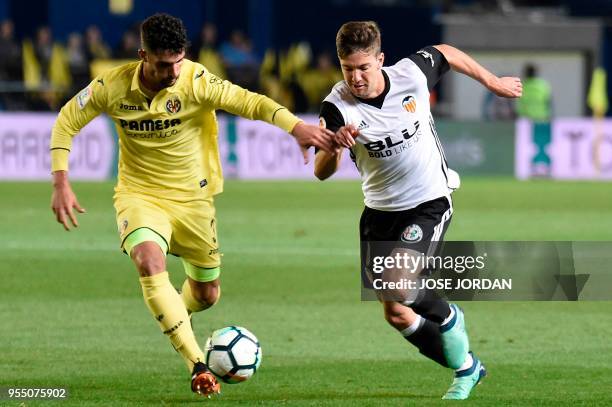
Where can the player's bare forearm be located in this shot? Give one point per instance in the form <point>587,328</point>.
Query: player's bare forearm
<point>60,179</point>
<point>459,61</point>
<point>326,164</point>
<point>63,200</point>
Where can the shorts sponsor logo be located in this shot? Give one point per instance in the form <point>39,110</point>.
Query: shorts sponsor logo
<point>173,105</point>
<point>412,234</point>
<point>322,122</point>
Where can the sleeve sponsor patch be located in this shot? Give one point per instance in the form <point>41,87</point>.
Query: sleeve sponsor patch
<point>83,97</point>
<point>427,56</point>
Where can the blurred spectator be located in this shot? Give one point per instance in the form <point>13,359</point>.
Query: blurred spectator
<point>96,47</point>
<point>317,82</point>
<point>536,105</point>
<point>128,48</point>
<point>10,53</point>
<point>238,50</point>
<point>77,61</point>
<point>240,62</point>
<point>207,51</point>
<point>42,50</point>
<point>46,70</point>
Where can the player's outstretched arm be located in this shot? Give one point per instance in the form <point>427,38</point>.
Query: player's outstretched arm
<point>63,200</point>
<point>507,86</point>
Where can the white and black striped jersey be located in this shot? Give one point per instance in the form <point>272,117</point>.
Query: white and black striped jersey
<point>397,152</point>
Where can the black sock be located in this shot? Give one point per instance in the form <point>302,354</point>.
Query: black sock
<point>431,306</point>
<point>428,341</point>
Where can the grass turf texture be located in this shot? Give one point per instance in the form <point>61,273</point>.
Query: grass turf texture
<point>72,313</point>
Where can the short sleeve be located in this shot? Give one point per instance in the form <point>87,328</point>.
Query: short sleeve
<point>433,64</point>
<point>330,117</point>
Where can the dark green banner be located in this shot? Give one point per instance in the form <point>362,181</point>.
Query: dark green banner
<point>478,148</point>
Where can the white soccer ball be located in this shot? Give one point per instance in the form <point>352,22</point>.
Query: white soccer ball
<point>233,354</point>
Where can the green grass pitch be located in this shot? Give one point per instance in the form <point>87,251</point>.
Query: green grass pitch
<point>72,313</point>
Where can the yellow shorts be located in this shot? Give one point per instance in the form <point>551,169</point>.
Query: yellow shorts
<point>188,228</point>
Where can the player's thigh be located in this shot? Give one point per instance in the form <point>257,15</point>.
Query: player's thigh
<point>140,218</point>
<point>195,240</point>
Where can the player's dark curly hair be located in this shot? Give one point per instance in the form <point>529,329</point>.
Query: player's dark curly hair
<point>356,36</point>
<point>163,32</point>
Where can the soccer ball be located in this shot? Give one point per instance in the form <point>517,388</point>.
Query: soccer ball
<point>233,354</point>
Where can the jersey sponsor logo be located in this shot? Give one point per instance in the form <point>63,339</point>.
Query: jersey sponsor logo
<point>199,75</point>
<point>412,234</point>
<point>409,103</point>
<point>123,106</point>
<point>427,56</point>
<point>148,125</point>
<point>173,105</point>
<point>390,146</point>
<point>83,97</point>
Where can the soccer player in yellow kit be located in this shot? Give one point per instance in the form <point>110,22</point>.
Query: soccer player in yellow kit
<point>169,170</point>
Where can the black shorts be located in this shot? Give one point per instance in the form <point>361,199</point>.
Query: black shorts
<point>420,229</point>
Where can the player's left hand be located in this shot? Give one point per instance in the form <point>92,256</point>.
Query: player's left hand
<point>308,135</point>
<point>507,86</point>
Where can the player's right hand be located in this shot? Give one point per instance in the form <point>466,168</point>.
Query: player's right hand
<point>63,201</point>
<point>345,136</point>
<point>308,135</point>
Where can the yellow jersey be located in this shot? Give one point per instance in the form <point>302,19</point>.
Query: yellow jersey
<point>168,145</point>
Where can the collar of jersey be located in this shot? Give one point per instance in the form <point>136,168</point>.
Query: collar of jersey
<point>380,99</point>
<point>136,81</point>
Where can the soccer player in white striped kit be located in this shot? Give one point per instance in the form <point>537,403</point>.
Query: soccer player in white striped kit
<point>382,115</point>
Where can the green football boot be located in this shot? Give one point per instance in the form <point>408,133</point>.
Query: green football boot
<point>466,380</point>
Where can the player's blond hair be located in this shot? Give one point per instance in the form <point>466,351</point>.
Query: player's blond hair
<point>358,36</point>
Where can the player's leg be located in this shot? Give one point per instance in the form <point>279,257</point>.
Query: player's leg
<point>195,241</point>
<point>452,333</point>
<point>166,305</point>
<point>422,229</point>
<point>145,231</point>
<point>419,331</point>
<point>202,287</point>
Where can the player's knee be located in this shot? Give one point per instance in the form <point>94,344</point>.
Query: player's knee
<point>399,316</point>
<point>394,319</point>
<point>148,262</point>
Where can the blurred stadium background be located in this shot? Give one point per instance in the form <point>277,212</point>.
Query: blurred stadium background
<point>71,310</point>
